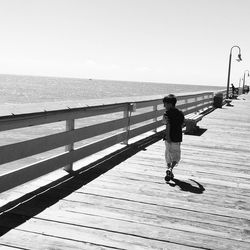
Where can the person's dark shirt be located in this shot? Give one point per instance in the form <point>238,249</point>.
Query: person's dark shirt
<point>175,118</point>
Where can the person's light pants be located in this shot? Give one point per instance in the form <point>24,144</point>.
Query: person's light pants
<point>172,152</point>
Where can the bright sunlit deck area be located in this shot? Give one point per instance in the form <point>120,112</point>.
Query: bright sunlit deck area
<point>124,202</point>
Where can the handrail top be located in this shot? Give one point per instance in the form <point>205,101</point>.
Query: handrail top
<point>106,104</point>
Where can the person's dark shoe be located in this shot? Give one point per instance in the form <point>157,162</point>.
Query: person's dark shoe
<point>168,175</point>
<point>172,176</point>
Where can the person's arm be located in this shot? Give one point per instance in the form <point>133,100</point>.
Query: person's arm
<point>164,119</point>
<point>167,137</point>
<point>167,123</point>
<point>183,120</point>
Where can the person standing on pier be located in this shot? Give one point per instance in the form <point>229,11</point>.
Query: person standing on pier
<point>173,118</point>
<point>233,90</point>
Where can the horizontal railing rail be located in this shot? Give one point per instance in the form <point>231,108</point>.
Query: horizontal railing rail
<point>125,121</point>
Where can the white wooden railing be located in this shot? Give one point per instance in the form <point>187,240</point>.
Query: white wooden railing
<point>127,120</point>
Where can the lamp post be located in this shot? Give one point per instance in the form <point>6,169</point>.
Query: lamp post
<point>244,79</point>
<point>229,67</point>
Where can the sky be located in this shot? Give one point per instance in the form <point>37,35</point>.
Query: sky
<point>166,41</point>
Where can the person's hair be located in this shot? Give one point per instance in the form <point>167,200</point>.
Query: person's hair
<point>170,99</point>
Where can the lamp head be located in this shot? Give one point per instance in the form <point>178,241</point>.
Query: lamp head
<point>239,58</point>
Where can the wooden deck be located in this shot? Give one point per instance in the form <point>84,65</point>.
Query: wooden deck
<point>131,207</point>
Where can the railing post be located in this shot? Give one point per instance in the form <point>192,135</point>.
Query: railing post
<point>131,107</point>
<point>195,100</point>
<point>186,102</point>
<point>155,117</point>
<point>70,125</point>
<point>203,101</point>
<point>212,97</point>
<point>126,129</point>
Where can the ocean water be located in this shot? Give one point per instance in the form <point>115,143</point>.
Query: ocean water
<point>33,89</point>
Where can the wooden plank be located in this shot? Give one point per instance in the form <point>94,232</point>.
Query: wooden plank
<point>196,109</point>
<point>190,96</point>
<point>69,229</point>
<point>149,103</point>
<point>145,116</point>
<point>3,246</point>
<point>18,239</point>
<point>208,102</point>
<point>98,146</point>
<point>28,173</point>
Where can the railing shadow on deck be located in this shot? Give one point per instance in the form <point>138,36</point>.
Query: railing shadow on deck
<point>31,204</point>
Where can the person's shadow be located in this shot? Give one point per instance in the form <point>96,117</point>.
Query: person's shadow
<point>197,188</point>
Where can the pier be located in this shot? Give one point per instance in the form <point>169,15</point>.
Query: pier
<point>119,199</point>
